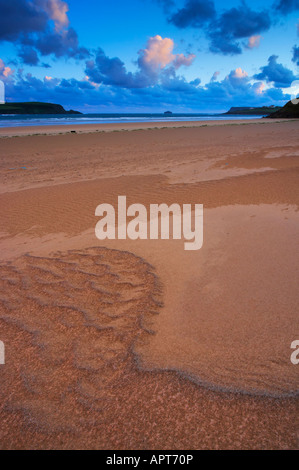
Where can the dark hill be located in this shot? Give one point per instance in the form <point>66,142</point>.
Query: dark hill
<point>289,111</point>
<point>34,108</point>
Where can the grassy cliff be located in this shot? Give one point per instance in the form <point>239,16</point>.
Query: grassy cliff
<point>245,110</point>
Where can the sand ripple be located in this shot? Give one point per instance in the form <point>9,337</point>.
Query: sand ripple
<point>83,310</point>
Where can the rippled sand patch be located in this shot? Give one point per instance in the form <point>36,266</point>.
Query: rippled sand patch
<point>83,310</point>
<point>71,380</point>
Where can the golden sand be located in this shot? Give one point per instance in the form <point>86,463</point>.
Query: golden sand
<point>139,344</point>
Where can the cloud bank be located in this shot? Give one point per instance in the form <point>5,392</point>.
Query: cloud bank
<point>155,63</point>
<point>169,90</point>
<point>39,27</point>
<point>226,31</point>
<point>276,73</point>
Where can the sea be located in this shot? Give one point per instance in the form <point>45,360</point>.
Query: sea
<point>17,120</point>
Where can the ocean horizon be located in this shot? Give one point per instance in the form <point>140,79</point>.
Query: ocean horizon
<point>17,120</point>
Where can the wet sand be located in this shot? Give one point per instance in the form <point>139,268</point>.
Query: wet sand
<point>139,344</point>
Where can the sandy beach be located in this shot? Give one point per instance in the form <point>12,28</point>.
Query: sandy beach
<point>139,344</point>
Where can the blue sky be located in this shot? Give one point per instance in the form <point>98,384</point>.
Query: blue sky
<point>149,55</point>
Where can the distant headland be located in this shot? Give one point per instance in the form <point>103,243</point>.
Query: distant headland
<point>289,110</point>
<point>34,108</point>
<point>249,110</point>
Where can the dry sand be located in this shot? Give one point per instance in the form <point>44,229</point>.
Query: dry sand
<point>140,344</point>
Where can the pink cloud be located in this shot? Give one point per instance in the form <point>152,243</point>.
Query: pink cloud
<point>181,59</point>
<point>215,76</point>
<point>57,10</point>
<point>5,72</point>
<point>239,73</point>
<point>259,88</point>
<point>238,78</point>
<point>158,53</point>
<point>254,41</point>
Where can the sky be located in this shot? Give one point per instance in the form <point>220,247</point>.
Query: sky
<point>187,56</point>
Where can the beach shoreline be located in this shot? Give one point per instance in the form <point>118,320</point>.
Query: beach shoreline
<point>13,131</point>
